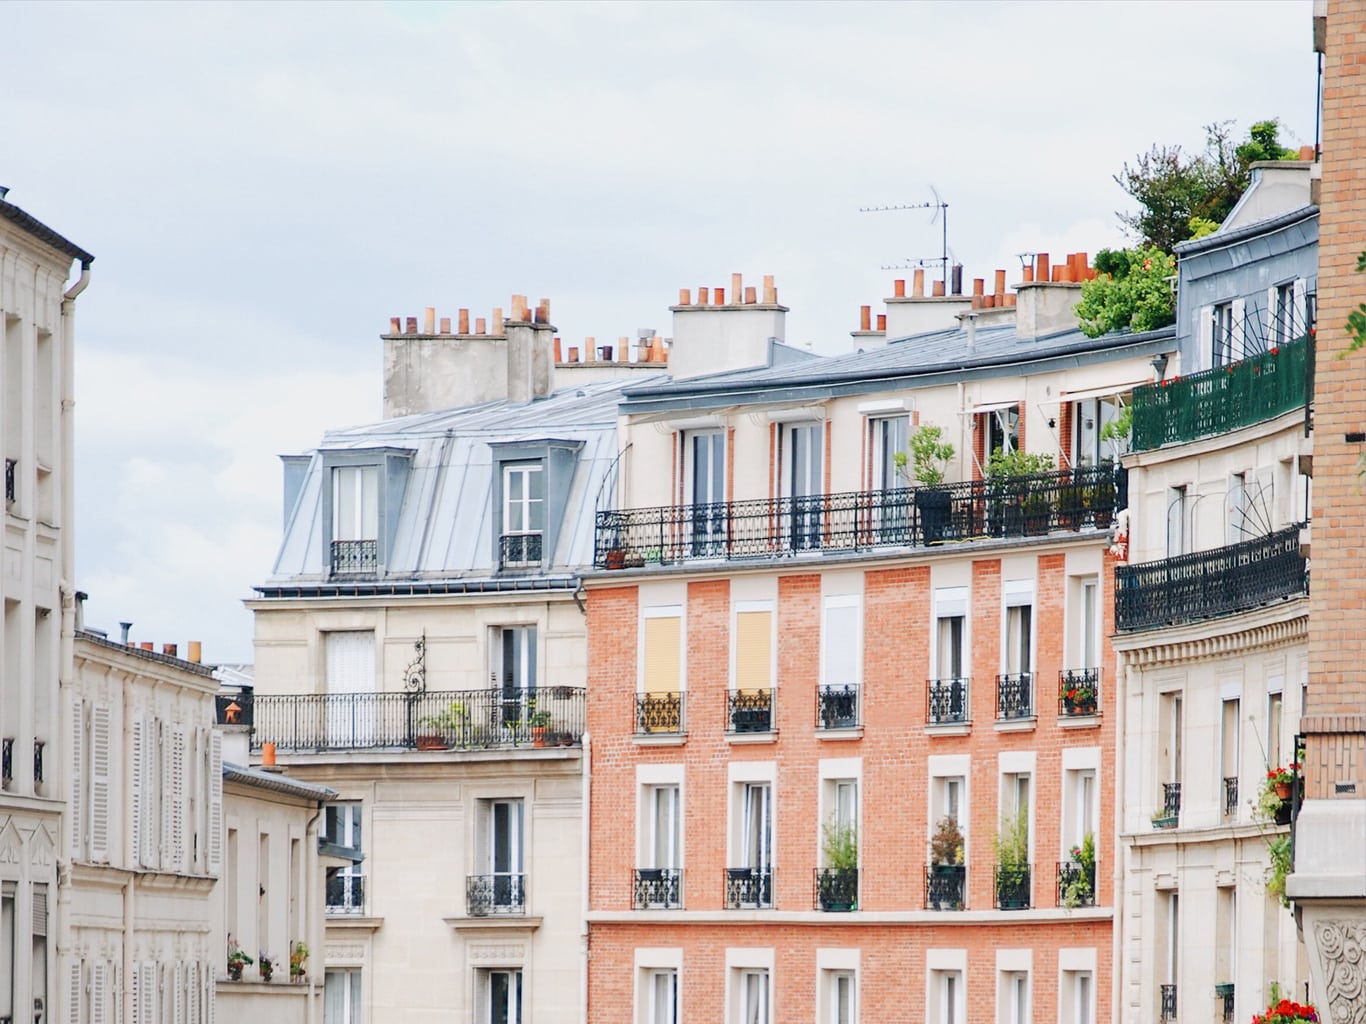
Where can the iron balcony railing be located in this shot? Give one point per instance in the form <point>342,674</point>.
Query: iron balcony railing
<point>1012,886</point>
<point>1225,995</point>
<point>1167,1009</point>
<point>450,719</point>
<point>749,887</point>
<point>837,707</point>
<point>1208,584</point>
<point>1076,884</point>
<point>354,557</point>
<point>1171,805</point>
<point>9,480</point>
<point>38,746</point>
<point>947,702</point>
<point>500,893</point>
<point>346,894</point>
<point>1014,696</point>
<point>519,550</point>
<point>656,889</point>
<point>659,714</point>
<point>6,761</point>
<point>1078,692</point>
<point>749,711</point>
<point>1221,399</point>
<point>1230,796</point>
<point>225,715</point>
<point>1086,496</point>
<point>946,886</point>
<point>836,889</point>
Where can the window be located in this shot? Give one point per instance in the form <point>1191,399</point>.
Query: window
<point>1177,539</point>
<point>341,997</point>
<point>500,887</point>
<point>837,876</point>
<point>1079,806</point>
<point>658,877</point>
<point>841,997</point>
<point>1225,934</point>
<point>355,519</point>
<point>1003,430</point>
<point>803,482</point>
<point>705,477</point>
<point>891,435</point>
<point>1087,621</point>
<point>749,881</point>
<point>660,703</point>
<point>523,513</point>
<point>1287,323</point>
<point>1229,755</point>
<point>754,995</point>
<point>500,997</point>
<point>1090,417</point>
<point>838,700</point>
<point>1169,931</point>
<point>663,841</point>
<point>946,997</point>
<point>1077,997</point>
<point>1273,728</point>
<point>7,949</point>
<point>1015,798</point>
<point>1169,753</point>
<point>948,697</point>
<point>513,653</point>
<point>346,885</point>
<point>1236,506</point>
<point>1015,688</point>
<point>1019,639</point>
<point>661,994</point>
<point>1221,319</point>
<point>350,708</point>
<point>1012,991</point>
<point>751,702</point>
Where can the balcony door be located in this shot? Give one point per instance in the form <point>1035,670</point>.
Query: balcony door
<point>756,838</point>
<point>664,822</point>
<point>349,711</point>
<point>523,514</point>
<point>355,519</point>
<point>505,853</point>
<point>803,483</point>
<point>705,468</point>
<point>513,652</point>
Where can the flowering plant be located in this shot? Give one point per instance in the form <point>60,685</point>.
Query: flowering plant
<point>1282,776</point>
<point>1287,1012</point>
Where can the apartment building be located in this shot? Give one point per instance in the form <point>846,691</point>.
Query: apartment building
<point>421,651</point>
<point>1212,618</point>
<point>37,333</point>
<point>850,698</point>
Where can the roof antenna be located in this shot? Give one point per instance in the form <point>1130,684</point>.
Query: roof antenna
<point>941,214</point>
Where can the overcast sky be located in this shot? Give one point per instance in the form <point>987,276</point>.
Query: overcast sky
<point>265,185</point>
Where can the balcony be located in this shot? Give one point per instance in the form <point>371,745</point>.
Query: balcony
<point>496,894</point>
<point>1012,886</point>
<point>9,480</point>
<point>38,747</point>
<point>656,889</point>
<point>433,720</point>
<point>837,707</point>
<point>749,888</point>
<point>1076,884</point>
<point>1014,696</point>
<point>851,521</point>
<point>519,551</point>
<point>1167,1002</point>
<point>1170,813</point>
<point>946,886</point>
<point>346,894</point>
<point>354,557</point>
<point>947,702</point>
<point>836,889</point>
<point>749,711</point>
<point>659,714</point>
<point>1078,692</point>
<point>1221,399</point>
<point>1210,584</point>
<point>6,762</point>
<point>1230,796</point>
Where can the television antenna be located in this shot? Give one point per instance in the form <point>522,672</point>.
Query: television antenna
<point>941,214</point>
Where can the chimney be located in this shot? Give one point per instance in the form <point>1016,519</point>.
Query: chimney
<point>530,351</point>
<point>958,279</point>
<point>970,323</point>
<point>918,283</point>
<point>124,627</point>
<point>720,335</point>
<point>1047,304</point>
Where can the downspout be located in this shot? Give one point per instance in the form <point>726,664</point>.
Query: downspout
<point>1117,922</point>
<point>585,847</point>
<point>317,941</point>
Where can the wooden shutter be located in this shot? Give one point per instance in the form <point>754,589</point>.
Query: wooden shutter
<point>175,797</point>
<point>753,650</point>
<point>210,991</point>
<point>178,993</point>
<point>99,993</point>
<point>1204,330</point>
<point>137,827</point>
<point>73,992</point>
<point>100,756</point>
<point>77,798</point>
<point>1239,330</point>
<point>1299,312</point>
<point>663,654</point>
<point>841,645</point>
<point>215,838</point>
<point>192,993</point>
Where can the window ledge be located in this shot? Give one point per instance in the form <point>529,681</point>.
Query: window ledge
<point>1016,724</point>
<point>852,733</point>
<point>500,922</point>
<point>353,921</point>
<point>659,739</point>
<point>1079,721</point>
<point>949,729</point>
<point>752,737</point>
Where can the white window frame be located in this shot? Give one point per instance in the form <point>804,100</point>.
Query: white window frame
<point>835,966</point>
<point>884,430</point>
<point>362,515</point>
<point>1018,626</point>
<point>349,999</point>
<point>1014,978</point>
<point>741,775</point>
<point>946,969</point>
<point>1074,1005</point>
<point>484,994</point>
<point>951,603</point>
<point>1078,816</point>
<point>840,795</point>
<point>741,966</point>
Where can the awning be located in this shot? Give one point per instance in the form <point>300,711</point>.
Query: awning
<point>991,407</point>
<point>1104,391</point>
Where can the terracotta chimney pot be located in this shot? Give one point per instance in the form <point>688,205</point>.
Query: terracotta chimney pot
<point>702,296</point>
<point>462,318</point>
<point>411,325</point>
<point>1041,261</point>
<point>937,289</point>
<point>480,326</point>
<point>751,296</point>
<point>770,291</point>
<point>395,325</point>
<point>978,285</point>
<point>882,322</point>
<point>1028,273</point>
<point>1000,282</point>
<point>685,296</point>
<point>899,287</point>
<point>865,314</point>
<point>445,325</point>
<point>558,357</point>
<point>429,320</point>
<point>737,289</point>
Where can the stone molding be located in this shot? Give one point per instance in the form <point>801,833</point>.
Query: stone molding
<point>1342,958</point>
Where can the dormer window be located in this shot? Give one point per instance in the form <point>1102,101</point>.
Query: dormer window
<point>523,513</point>
<point>362,495</point>
<point>355,519</point>
<point>531,484</point>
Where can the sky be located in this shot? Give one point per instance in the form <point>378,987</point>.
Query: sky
<point>265,185</point>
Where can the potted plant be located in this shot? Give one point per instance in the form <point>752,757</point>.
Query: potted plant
<point>539,722</point>
<point>1080,697</point>
<point>298,956</point>
<point>1079,878</point>
<point>1286,1011</point>
<point>838,880</point>
<point>946,885</point>
<point>237,959</point>
<point>266,965</point>
<point>1014,509</point>
<point>926,458</point>
<point>1117,431</point>
<point>1072,506</point>
<point>1273,799</point>
<point>946,846</point>
<point>443,729</point>
<point>1011,845</point>
<point>1100,500</point>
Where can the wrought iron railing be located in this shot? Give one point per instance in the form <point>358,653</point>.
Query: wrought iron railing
<point>1015,696</point>
<point>837,707</point>
<point>749,710</point>
<point>946,886</point>
<point>1086,496</point>
<point>1167,1005</point>
<point>947,702</point>
<point>38,747</point>
<point>500,893</point>
<point>353,557</point>
<point>6,760</point>
<point>836,889</point>
<point>1076,884</point>
<point>1208,584</point>
<point>519,550</point>
<point>659,713</point>
<point>749,887</point>
<point>1012,886</point>
<point>1225,995</point>
<point>458,719</point>
<point>346,894</point>
<point>1221,399</point>
<point>656,889</point>
<point>9,480</point>
<point>1230,796</point>
<point>1171,803</point>
<point>222,706</point>
<point>1079,692</point>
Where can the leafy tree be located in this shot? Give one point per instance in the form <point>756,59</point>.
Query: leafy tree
<point>1133,291</point>
<point>1356,320</point>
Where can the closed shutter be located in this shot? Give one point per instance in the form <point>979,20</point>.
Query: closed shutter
<point>167,778</point>
<point>192,992</point>
<point>753,650</point>
<point>175,797</point>
<point>215,802</point>
<point>73,993</point>
<point>1299,313</point>
<point>77,798</point>
<point>116,976</point>
<point>100,755</point>
<point>210,993</point>
<point>663,654</point>
<point>1204,325</point>
<point>841,644</point>
<point>99,993</point>
<point>1238,331</point>
<point>178,993</point>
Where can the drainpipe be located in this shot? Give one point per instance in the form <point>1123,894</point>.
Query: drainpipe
<point>584,847</point>
<point>316,942</point>
<point>1121,689</point>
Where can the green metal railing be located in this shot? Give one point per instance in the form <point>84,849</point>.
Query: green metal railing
<point>1221,399</point>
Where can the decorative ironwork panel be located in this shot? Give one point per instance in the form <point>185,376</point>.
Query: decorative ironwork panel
<point>1230,796</point>
<point>750,710</point>
<point>1076,884</point>
<point>659,713</point>
<point>495,894</point>
<point>1015,696</point>
<point>7,760</point>
<point>9,480</point>
<point>1227,998</point>
<point>946,886</point>
<point>1012,886</point>
<point>656,889</point>
<point>519,550</point>
<point>346,894</point>
<point>948,702</point>
<point>1168,1002</point>
<point>749,887</point>
<point>352,557</point>
<point>1079,692</point>
<point>837,889</point>
<point>1171,799</point>
<point>38,746</point>
<point>1208,584</point>
<point>837,707</point>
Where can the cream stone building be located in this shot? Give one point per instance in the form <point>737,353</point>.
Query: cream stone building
<point>37,311</point>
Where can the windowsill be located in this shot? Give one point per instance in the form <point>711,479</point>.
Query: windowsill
<point>499,922</point>
<point>659,739</point>
<point>1016,724</point>
<point>1079,721</point>
<point>854,732</point>
<point>752,737</point>
<point>356,921</point>
<point>948,728</point>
